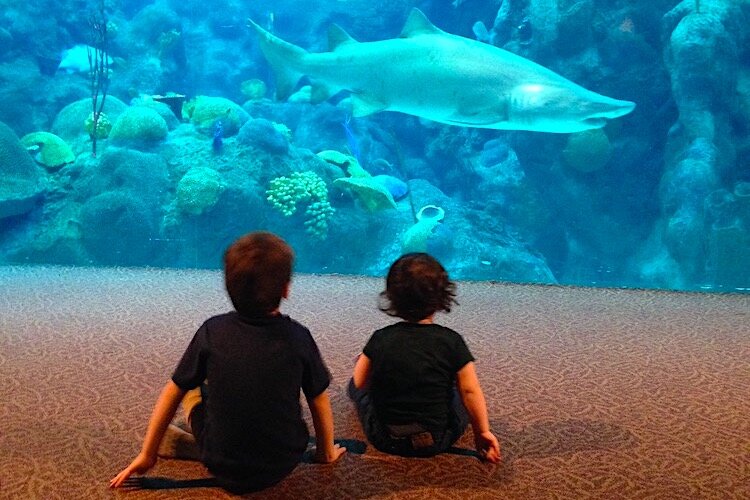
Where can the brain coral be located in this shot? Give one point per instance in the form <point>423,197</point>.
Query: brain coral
<point>48,149</point>
<point>204,111</point>
<point>139,125</point>
<point>198,190</point>
<point>69,122</point>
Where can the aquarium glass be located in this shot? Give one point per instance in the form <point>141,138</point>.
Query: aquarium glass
<point>571,142</point>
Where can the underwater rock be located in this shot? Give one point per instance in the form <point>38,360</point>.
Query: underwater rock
<point>122,168</point>
<point>266,135</point>
<point>69,122</point>
<point>139,127</point>
<point>48,149</point>
<point>21,185</point>
<point>130,234</point>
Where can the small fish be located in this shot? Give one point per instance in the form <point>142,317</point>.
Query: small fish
<point>351,139</point>
<point>218,142</point>
<point>76,59</point>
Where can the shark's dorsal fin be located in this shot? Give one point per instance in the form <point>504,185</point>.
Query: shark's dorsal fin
<point>337,37</point>
<point>418,24</point>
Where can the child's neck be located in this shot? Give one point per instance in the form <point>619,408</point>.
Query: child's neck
<point>426,321</point>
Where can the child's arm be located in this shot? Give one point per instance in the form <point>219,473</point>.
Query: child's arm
<point>361,375</point>
<point>473,399</point>
<point>164,411</point>
<point>325,450</point>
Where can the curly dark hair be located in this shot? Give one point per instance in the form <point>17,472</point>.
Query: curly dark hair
<point>417,286</point>
<point>257,270</point>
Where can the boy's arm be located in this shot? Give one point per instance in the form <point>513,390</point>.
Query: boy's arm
<point>325,450</point>
<point>361,375</point>
<point>473,399</point>
<point>164,411</point>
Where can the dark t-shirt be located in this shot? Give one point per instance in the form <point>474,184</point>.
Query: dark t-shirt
<point>413,373</point>
<point>254,368</point>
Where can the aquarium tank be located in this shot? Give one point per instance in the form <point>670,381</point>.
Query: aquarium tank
<point>570,142</point>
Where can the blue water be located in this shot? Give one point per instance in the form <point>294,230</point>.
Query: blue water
<point>512,119</point>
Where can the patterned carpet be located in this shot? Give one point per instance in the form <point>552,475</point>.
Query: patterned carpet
<point>593,393</point>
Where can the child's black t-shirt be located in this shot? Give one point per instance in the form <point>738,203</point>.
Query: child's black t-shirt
<point>254,368</point>
<point>413,372</point>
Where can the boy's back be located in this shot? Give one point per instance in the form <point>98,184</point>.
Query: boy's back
<point>254,369</point>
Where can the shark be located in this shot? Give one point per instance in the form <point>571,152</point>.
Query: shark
<point>429,73</point>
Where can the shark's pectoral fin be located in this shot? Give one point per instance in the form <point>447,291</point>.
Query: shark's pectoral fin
<point>418,24</point>
<point>338,37</point>
<point>364,104</point>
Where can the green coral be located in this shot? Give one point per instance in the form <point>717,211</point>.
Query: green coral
<point>139,125</point>
<point>285,193</point>
<point>103,126</point>
<point>204,111</point>
<point>198,190</point>
<point>372,194</point>
<point>48,149</point>
<point>253,89</point>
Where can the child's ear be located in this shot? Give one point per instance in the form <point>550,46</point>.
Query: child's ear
<point>287,288</point>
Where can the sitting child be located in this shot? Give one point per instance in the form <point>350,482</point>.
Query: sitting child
<point>242,374</point>
<point>404,382</point>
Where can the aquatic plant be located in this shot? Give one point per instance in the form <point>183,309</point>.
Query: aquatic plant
<point>285,193</point>
<point>98,68</point>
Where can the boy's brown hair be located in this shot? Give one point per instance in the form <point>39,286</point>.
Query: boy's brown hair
<point>417,286</point>
<point>257,270</point>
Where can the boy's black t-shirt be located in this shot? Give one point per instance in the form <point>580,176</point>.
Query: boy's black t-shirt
<point>413,373</point>
<point>254,368</point>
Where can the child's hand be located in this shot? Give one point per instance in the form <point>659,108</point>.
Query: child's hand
<point>487,446</point>
<point>141,464</point>
<point>323,457</point>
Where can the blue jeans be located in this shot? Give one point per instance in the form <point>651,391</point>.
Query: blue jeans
<point>382,436</point>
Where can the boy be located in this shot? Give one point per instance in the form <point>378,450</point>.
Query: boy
<point>249,365</point>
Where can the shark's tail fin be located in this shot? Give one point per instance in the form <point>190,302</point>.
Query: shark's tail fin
<point>285,59</point>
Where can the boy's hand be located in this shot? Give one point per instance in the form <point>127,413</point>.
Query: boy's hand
<point>140,465</point>
<point>487,446</point>
<point>321,457</point>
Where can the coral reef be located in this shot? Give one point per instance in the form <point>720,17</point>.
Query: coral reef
<point>139,126</point>
<point>204,111</point>
<point>198,190</point>
<point>285,193</point>
<point>22,184</point>
<point>48,149</point>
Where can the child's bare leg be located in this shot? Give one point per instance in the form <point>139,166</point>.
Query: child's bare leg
<point>179,442</point>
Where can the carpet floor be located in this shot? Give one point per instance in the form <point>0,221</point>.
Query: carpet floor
<point>593,393</point>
